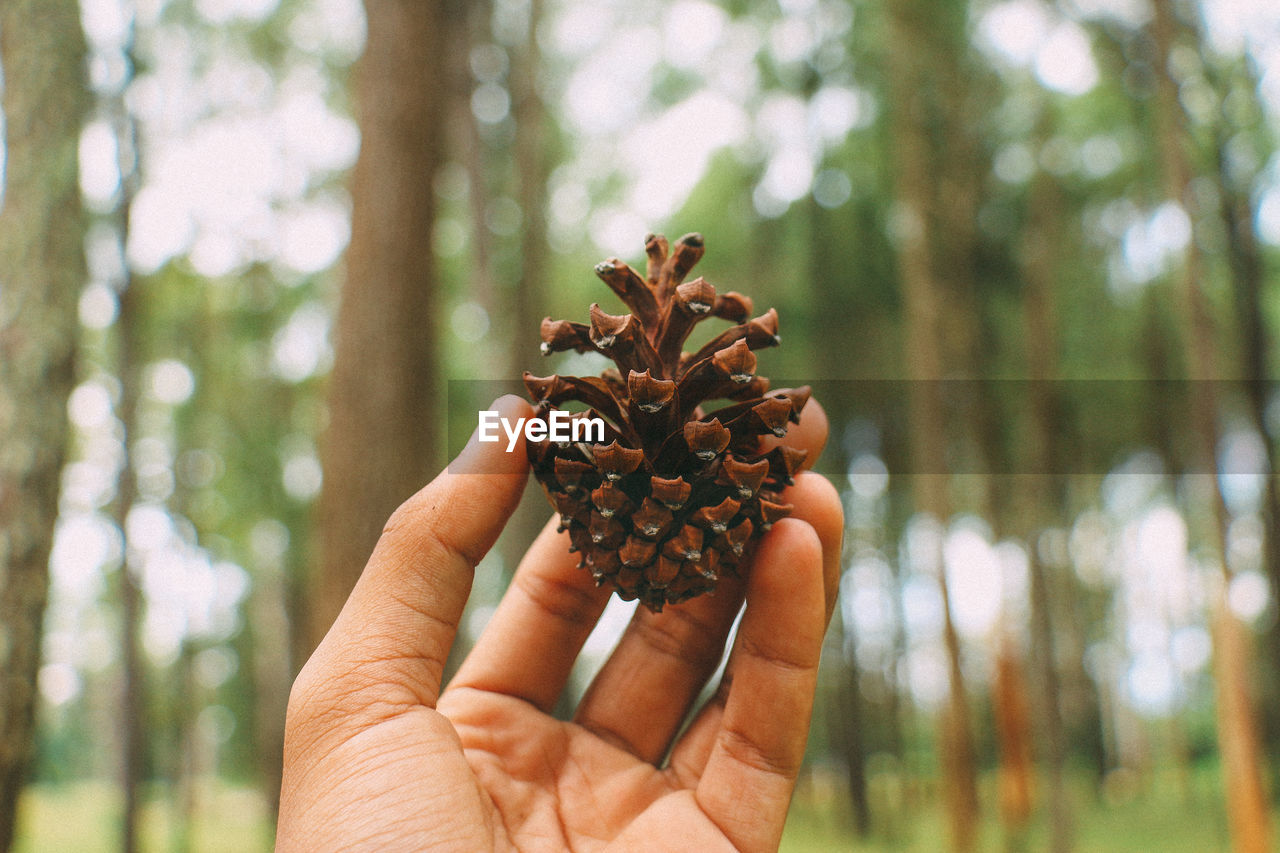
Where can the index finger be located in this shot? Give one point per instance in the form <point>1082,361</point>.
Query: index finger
<point>751,771</point>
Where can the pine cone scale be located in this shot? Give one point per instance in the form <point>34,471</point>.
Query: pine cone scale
<point>675,496</point>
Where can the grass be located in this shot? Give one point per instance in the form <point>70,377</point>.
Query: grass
<point>84,817</point>
<point>1164,813</point>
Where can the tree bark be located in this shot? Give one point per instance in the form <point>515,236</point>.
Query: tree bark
<point>463,19</point>
<point>133,745</point>
<point>1248,280</point>
<point>913,166</point>
<point>129,339</point>
<point>845,719</point>
<point>1247,812</point>
<point>42,265</point>
<point>1039,257</point>
<point>847,708</point>
<point>382,444</point>
<point>269,617</point>
<point>186,766</point>
<point>532,156</point>
<point>532,173</point>
<point>1013,734</point>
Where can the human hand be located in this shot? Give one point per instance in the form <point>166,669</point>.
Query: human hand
<point>377,758</point>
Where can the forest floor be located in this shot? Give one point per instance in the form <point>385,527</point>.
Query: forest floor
<point>84,817</point>
<point>1166,813</point>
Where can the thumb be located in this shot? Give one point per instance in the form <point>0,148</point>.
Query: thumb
<point>391,640</point>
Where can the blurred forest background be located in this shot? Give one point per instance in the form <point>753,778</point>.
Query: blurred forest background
<point>1027,251</point>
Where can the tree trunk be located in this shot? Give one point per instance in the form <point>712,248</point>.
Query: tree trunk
<point>1013,733</point>
<point>1247,274</point>
<point>185,770</point>
<point>463,19</point>
<point>129,340</point>
<point>958,168</point>
<point>272,669</point>
<point>847,708</point>
<point>133,745</point>
<point>845,722</point>
<point>913,166</point>
<point>532,173</point>
<point>1039,257</point>
<point>528,304</point>
<point>382,441</point>
<point>1247,812</point>
<point>853,744</point>
<point>42,264</point>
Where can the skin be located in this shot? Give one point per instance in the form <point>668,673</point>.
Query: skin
<point>378,758</point>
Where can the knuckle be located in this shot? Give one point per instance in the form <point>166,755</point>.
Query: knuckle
<point>800,662</point>
<point>746,750</point>
<point>679,635</point>
<point>302,695</point>
<point>403,517</point>
<point>561,600</point>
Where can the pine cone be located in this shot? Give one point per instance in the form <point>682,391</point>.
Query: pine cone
<point>674,497</point>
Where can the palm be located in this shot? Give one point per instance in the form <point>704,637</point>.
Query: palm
<point>555,785</point>
<point>491,772</point>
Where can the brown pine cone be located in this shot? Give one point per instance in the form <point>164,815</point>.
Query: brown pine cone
<point>671,497</point>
